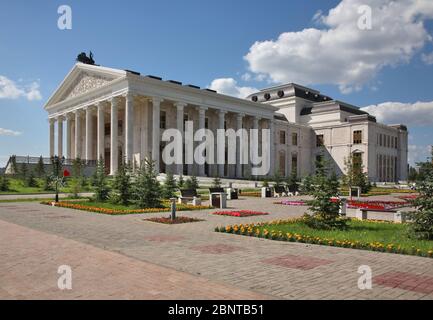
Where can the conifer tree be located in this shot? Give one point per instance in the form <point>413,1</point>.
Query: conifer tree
<point>122,184</point>
<point>216,183</point>
<point>170,187</point>
<point>191,183</point>
<point>101,187</point>
<point>40,168</point>
<point>147,189</point>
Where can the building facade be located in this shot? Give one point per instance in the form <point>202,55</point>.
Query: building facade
<point>120,115</point>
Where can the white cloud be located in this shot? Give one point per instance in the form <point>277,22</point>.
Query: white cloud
<point>341,53</point>
<point>229,86</point>
<point>11,90</point>
<point>418,153</point>
<point>7,132</point>
<point>411,114</point>
<point>427,58</point>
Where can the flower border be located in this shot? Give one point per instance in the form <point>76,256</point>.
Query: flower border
<point>63,204</point>
<point>254,230</point>
<point>240,213</point>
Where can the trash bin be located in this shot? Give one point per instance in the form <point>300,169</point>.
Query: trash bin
<point>218,200</point>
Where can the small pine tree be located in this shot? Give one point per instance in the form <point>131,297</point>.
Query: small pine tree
<point>421,226</point>
<point>23,171</point>
<point>4,183</point>
<point>325,212</point>
<point>170,187</point>
<point>355,176</point>
<point>181,182</point>
<point>101,187</point>
<point>76,182</point>
<point>216,183</point>
<point>292,182</point>
<point>122,184</point>
<point>265,184</point>
<point>191,183</point>
<point>48,183</point>
<point>147,189</point>
<point>307,184</point>
<point>30,180</point>
<point>277,179</point>
<point>40,168</point>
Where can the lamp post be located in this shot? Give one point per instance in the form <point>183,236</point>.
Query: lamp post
<point>173,208</point>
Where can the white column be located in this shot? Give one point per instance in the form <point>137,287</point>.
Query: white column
<point>60,136</point>
<point>254,141</point>
<point>129,130</point>
<point>114,151</point>
<point>201,125</point>
<point>68,135</point>
<point>101,131</point>
<point>180,107</point>
<point>89,133</point>
<point>145,130</point>
<point>156,132</point>
<point>239,118</point>
<point>78,145</point>
<point>221,151</point>
<point>51,121</point>
<point>272,147</point>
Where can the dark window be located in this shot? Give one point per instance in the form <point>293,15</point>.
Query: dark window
<point>206,123</point>
<point>396,143</point>
<point>357,160</point>
<point>107,129</point>
<point>282,137</point>
<point>320,140</point>
<point>163,120</point>
<point>294,138</point>
<point>295,163</point>
<point>357,136</point>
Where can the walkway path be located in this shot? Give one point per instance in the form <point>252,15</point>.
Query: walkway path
<point>259,266</point>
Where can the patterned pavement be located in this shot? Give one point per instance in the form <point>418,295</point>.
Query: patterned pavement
<point>119,252</point>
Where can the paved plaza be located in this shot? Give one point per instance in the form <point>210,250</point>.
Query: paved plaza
<point>125,257</point>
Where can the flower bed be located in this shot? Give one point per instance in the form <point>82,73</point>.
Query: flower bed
<point>292,203</point>
<point>287,230</point>
<point>240,213</point>
<point>178,220</point>
<point>375,205</point>
<point>409,197</point>
<point>64,204</point>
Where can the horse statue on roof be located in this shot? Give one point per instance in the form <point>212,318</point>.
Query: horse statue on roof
<point>83,58</point>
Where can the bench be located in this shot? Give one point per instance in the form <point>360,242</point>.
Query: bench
<point>279,191</point>
<point>189,195</point>
<point>293,191</point>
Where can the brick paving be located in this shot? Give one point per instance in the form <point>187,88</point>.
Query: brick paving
<point>193,250</point>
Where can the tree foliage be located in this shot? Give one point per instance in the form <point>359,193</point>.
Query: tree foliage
<point>101,187</point>
<point>355,175</point>
<point>170,187</point>
<point>147,190</point>
<point>421,226</point>
<point>324,187</point>
<point>191,183</point>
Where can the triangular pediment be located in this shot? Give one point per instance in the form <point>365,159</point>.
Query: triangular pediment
<point>82,79</point>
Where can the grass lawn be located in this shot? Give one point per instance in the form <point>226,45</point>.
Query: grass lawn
<point>360,234</point>
<point>17,186</point>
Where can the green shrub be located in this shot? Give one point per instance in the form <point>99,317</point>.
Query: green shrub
<point>147,191</point>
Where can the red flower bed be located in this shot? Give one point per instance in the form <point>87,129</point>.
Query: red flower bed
<point>375,205</point>
<point>168,220</point>
<point>240,213</point>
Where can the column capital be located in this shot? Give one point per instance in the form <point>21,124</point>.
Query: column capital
<point>222,111</point>
<point>78,112</point>
<point>156,100</point>
<point>240,115</point>
<point>60,118</point>
<point>90,108</point>
<point>51,120</point>
<point>115,100</point>
<point>69,116</point>
<point>129,95</point>
<point>102,104</point>
<point>180,105</point>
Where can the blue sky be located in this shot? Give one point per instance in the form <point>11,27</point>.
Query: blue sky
<point>211,43</point>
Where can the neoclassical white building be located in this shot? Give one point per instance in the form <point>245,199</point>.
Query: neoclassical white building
<point>119,115</point>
